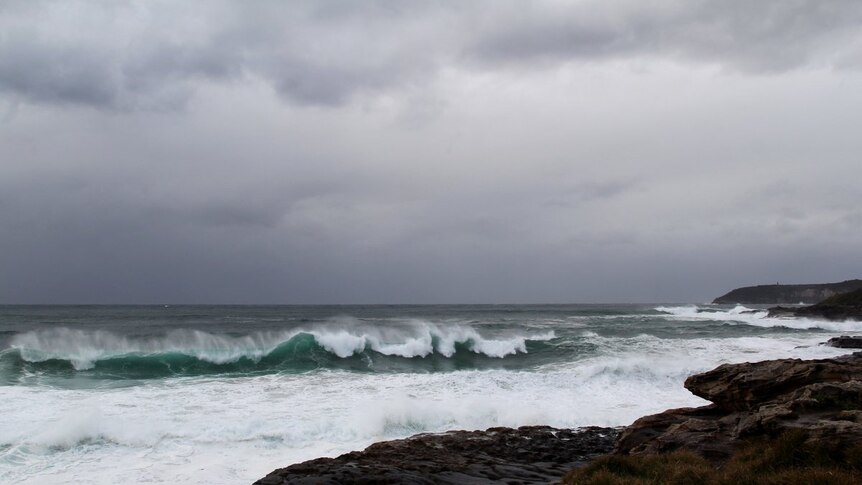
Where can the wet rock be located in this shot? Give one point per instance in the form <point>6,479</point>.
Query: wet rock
<point>822,397</point>
<point>529,454</point>
<point>845,342</point>
<point>781,312</point>
<point>737,387</point>
<point>843,306</point>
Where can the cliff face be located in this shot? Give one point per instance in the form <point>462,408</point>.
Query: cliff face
<point>808,294</point>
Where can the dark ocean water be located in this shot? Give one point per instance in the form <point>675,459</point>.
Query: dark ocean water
<point>99,394</point>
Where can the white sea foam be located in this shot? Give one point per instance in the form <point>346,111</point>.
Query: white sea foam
<point>418,338</point>
<point>743,315</point>
<point>341,343</point>
<point>245,427</point>
<point>710,313</point>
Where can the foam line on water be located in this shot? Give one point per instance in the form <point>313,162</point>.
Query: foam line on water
<point>758,318</point>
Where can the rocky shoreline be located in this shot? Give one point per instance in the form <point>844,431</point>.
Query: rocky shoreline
<point>821,399</point>
<point>529,454</point>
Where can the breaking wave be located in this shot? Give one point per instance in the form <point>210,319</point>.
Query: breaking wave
<point>757,318</point>
<point>195,352</point>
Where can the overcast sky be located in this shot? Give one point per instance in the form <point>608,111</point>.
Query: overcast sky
<point>421,152</point>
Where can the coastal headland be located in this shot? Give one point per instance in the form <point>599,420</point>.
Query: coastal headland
<point>787,294</point>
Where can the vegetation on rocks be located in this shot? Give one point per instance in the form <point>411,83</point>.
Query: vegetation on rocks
<point>790,458</point>
<point>852,298</point>
<point>772,422</point>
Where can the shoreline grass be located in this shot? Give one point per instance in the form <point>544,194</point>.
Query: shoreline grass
<point>787,459</point>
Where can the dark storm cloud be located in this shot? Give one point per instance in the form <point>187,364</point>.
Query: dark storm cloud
<point>150,55</point>
<point>147,55</point>
<point>392,151</point>
<point>55,73</point>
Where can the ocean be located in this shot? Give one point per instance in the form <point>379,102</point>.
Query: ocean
<point>225,394</point>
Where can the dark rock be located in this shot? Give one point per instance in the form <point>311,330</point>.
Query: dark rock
<point>822,397</point>
<point>787,294</point>
<point>845,342</point>
<point>781,312</point>
<point>529,454</point>
<point>843,306</point>
<point>739,387</point>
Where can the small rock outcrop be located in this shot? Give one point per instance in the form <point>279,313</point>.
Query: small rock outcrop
<point>823,398</point>
<point>787,294</point>
<point>845,342</point>
<point>529,454</point>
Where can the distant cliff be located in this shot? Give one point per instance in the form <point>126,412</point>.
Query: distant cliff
<point>808,294</point>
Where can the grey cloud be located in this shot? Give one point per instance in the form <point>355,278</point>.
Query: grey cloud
<point>324,53</point>
<point>752,36</point>
<point>55,73</point>
<point>308,83</point>
<point>582,182</point>
<point>233,216</point>
<point>149,55</point>
<point>586,192</point>
<point>615,238</point>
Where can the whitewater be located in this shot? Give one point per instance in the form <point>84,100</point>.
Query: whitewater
<point>225,394</point>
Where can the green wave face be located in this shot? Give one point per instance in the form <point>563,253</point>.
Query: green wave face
<point>299,353</point>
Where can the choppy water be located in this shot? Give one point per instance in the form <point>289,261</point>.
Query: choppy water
<point>224,394</point>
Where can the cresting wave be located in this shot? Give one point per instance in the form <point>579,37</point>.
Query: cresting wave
<point>195,351</point>
<point>756,317</point>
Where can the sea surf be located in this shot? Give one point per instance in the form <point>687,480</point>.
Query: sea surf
<point>225,394</point>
